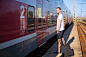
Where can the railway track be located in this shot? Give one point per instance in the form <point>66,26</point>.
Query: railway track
<point>83,23</point>
<point>40,51</point>
<point>82,35</point>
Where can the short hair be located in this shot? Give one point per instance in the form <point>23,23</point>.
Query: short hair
<point>59,8</point>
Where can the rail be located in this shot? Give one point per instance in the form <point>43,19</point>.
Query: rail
<point>82,28</point>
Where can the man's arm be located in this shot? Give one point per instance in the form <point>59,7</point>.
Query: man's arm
<point>59,25</point>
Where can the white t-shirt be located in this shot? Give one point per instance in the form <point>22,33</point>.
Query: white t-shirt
<point>62,22</point>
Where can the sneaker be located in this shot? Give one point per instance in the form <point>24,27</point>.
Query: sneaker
<point>59,54</point>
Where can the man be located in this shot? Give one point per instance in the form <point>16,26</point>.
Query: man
<point>60,28</point>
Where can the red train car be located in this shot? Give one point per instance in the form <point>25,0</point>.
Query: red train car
<point>26,24</point>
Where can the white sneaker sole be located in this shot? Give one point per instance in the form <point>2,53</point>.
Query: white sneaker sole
<point>59,55</point>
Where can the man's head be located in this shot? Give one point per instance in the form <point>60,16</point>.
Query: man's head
<point>58,10</point>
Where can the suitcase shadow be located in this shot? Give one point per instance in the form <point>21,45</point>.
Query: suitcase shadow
<point>72,51</point>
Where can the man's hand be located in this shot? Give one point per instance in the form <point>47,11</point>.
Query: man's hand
<point>58,32</point>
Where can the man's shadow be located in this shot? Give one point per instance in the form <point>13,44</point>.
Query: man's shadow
<point>67,33</point>
<point>70,41</point>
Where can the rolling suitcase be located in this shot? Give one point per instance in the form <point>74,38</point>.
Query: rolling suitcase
<point>66,51</point>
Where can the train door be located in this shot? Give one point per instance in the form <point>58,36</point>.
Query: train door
<point>44,19</point>
<point>40,32</point>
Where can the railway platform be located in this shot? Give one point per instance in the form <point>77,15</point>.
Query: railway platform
<point>71,38</point>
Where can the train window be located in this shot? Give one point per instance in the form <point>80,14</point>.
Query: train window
<point>50,18</point>
<point>39,15</point>
<point>39,10</point>
<point>55,19</point>
<point>31,19</point>
<point>44,23</point>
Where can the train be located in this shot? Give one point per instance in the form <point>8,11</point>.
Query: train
<point>27,24</point>
<point>84,20</point>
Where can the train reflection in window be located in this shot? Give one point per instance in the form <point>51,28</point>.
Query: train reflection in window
<point>55,19</point>
<point>50,18</point>
<point>31,19</point>
<point>39,15</point>
<point>44,23</point>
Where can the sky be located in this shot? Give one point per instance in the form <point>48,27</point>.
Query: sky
<point>70,5</point>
